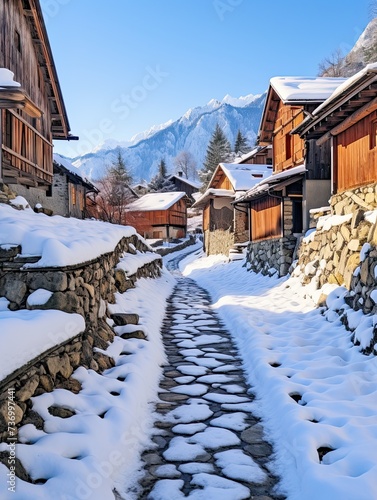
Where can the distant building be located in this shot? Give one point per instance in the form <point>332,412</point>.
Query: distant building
<point>183,184</point>
<point>159,215</point>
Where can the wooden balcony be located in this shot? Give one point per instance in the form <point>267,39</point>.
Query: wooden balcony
<point>26,153</point>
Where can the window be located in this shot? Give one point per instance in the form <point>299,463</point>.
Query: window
<point>17,40</point>
<point>288,146</point>
<point>373,135</point>
<point>73,194</point>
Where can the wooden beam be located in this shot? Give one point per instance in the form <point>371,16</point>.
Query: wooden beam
<point>349,121</point>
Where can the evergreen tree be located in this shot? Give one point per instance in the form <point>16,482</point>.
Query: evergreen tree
<point>218,151</point>
<point>241,146</point>
<point>119,178</point>
<point>160,182</point>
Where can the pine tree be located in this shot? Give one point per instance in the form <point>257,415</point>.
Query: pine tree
<point>218,151</point>
<point>241,146</point>
<point>119,178</point>
<point>160,182</point>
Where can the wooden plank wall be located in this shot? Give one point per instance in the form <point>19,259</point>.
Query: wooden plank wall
<point>288,150</point>
<point>266,218</point>
<point>356,154</point>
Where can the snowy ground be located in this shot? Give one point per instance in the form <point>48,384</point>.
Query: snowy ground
<point>291,352</point>
<point>315,390</point>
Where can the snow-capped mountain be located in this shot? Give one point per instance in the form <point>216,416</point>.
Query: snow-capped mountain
<point>362,53</point>
<point>192,132</point>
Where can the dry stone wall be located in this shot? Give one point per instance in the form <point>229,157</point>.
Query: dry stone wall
<point>271,256</point>
<point>85,289</point>
<point>343,251</point>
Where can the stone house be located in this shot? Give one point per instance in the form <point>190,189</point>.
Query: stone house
<point>32,109</point>
<point>279,207</point>
<point>225,224</point>
<point>159,215</point>
<point>69,191</point>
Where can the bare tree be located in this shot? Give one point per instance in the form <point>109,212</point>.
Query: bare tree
<point>333,65</point>
<point>185,163</point>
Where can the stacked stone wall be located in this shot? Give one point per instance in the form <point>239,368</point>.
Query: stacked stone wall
<point>271,256</point>
<point>85,289</point>
<point>219,241</point>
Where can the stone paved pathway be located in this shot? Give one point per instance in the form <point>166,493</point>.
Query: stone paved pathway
<point>207,443</point>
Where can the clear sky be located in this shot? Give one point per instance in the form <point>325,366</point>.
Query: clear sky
<point>126,65</point>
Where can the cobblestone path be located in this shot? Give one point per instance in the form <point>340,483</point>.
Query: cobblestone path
<point>207,443</point>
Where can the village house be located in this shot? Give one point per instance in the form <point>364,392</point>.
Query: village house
<point>224,224</point>
<point>279,207</point>
<point>69,191</point>
<point>159,215</point>
<point>347,123</point>
<point>32,109</point>
<point>260,155</point>
<point>186,185</point>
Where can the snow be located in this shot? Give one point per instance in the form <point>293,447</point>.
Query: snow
<point>302,88</point>
<point>7,78</point>
<point>39,297</point>
<point>155,201</point>
<point>274,322</point>
<point>68,165</point>
<point>27,334</point>
<point>236,465</point>
<point>75,242</point>
<point>130,263</point>
<point>244,177</point>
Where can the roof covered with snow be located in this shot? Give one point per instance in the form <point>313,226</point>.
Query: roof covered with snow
<point>244,177</point>
<point>60,160</point>
<point>156,201</point>
<point>194,184</point>
<point>213,193</point>
<point>304,88</point>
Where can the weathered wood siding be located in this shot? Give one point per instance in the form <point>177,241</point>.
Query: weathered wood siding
<point>27,141</point>
<point>146,222</point>
<point>355,155</point>
<point>266,218</point>
<point>288,150</point>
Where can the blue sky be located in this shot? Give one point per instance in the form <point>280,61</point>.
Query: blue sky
<point>126,65</point>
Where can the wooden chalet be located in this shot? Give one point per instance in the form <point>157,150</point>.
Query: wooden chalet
<point>225,225</point>
<point>300,179</point>
<point>159,215</point>
<point>186,185</point>
<point>260,155</point>
<point>347,122</point>
<point>32,111</point>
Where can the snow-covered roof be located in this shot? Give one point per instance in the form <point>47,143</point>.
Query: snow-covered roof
<point>155,201</point>
<point>213,193</point>
<point>186,181</point>
<point>7,78</point>
<point>250,154</point>
<point>245,176</point>
<point>272,180</point>
<point>369,68</point>
<point>304,88</point>
<point>60,160</point>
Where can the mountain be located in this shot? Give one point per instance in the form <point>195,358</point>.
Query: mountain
<point>192,132</point>
<point>362,53</point>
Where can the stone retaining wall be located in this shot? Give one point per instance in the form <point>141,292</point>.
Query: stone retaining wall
<point>85,289</point>
<point>363,197</point>
<point>266,256</point>
<point>218,241</point>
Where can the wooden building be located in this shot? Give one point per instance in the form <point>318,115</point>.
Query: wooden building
<point>224,224</point>
<point>300,181</point>
<point>159,215</point>
<point>347,122</point>
<point>260,155</point>
<point>32,111</point>
<point>183,184</point>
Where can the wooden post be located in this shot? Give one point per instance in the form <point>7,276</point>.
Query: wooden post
<point>1,145</point>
